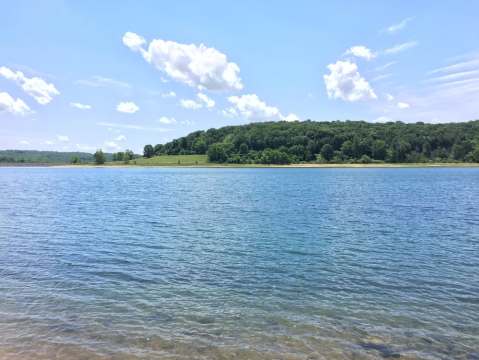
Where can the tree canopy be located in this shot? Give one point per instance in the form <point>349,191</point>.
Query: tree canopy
<point>335,142</point>
<point>99,157</point>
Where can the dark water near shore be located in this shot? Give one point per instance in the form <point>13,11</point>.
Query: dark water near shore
<point>239,263</point>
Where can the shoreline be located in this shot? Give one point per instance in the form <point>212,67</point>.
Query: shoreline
<point>254,166</point>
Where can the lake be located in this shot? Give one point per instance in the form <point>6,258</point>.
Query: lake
<point>182,263</point>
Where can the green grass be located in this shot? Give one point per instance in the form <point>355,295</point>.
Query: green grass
<point>172,160</point>
<point>201,160</point>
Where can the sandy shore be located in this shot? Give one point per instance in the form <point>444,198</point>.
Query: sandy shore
<point>302,166</point>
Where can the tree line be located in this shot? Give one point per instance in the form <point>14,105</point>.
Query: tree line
<point>43,157</point>
<point>330,142</point>
<point>100,157</point>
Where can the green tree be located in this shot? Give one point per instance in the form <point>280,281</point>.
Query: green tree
<point>272,156</point>
<point>99,157</point>
<point>379,150</point>
<point>243,149</point>
<point>301,141</point>
<point>327,152</point>
<point>118,156</point>
<point>75,160</point>
<point>217,153</point>
<point>158,149</point>
<point>475,154</point>
<point>128,155</point>
<point>199,146</point>
<point>347,148</point>
<point>148,151</point>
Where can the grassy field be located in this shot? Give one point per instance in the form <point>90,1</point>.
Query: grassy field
<point>171,160</point>
<point>202,161</point>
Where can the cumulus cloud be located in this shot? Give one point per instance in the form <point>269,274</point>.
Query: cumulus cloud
<point>111,145</point>
<point>13,106</point>
<point>209,102</point>
<point>401,47</point>
<point>383,119</point>
<point>195,65</point>
<point>80,106</point>
<point>403,105</point>
<point>251,107</point>
<point>134,41</point>
<point>48,142</point>
<point>346,83</point>
<point>290,117</point>
<point>399,26</point>
<point>24,142</point>
<point>42,91</point>
<point>389,97</point>
<point>128,107</point>
<point>63,138</point>
<point>120,138</point>
<point>190,104</point>
<point>361,52</point>
<point>167,120</point>
<point>169,94</point>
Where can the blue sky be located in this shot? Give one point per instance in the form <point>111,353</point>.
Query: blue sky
<point>82,75</point>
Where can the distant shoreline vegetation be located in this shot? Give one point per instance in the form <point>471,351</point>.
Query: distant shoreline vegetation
<point>337,142</point>
<point>45,157</point>
<point>285,143</point>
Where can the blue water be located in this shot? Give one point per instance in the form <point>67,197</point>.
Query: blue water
<point>144,263</point>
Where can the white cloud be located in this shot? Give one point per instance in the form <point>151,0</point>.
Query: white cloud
<point>80,106</point>
<point>128,107</point>
<point>24,142</point>
<point>290,117</point>
<point>403,105</point>
<point>82,147</point>
<point>130,126</point>
<point>399,26</point>
<point>195,65</point>
<point>134,41</point>
<point>389,97</point>
<point>190,104</point>
<point>361,52</point>
<point>251,107</point>
<point>471,74</point>
<point>383,119</point>
<point>463,65</point>
<point>120,138</point>
<point>381,77</point>
<point>385,66</point>
<point>111,145</point>
<point>169,94</point>
<point>229,112</point>
<point>401,47</point>
<point>167,120</point>
<point>63,138</point>
<point>209,102</point>
<point>42,91</point>
<point>346,83</point>
<point>101,81</point>
<point>48,142</point>
<point>13,106</point>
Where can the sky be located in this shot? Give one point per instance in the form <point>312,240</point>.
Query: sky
<point>116,75</point>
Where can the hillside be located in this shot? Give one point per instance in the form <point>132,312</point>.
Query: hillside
<point>44,157</point>
<point>330,142</point>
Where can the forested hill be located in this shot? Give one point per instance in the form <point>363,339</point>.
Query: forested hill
<point>334,142</point>
<point>44,157</point>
